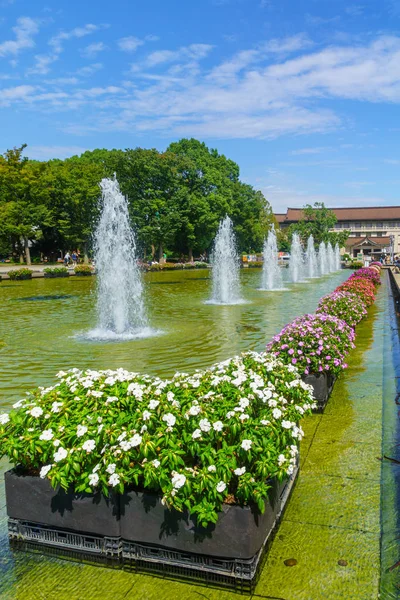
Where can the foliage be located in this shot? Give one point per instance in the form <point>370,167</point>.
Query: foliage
<point>56,272</point>
<point>255,264</point>
<point>194,439</point>
<point>346,306</point>
<point>20,274</point>
<point>317,221</point>
<point>314,343</point>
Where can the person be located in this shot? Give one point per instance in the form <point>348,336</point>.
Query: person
<point>74,257</point>
<point>67,258</point>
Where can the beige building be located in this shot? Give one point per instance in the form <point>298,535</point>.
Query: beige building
<point>373,230</point>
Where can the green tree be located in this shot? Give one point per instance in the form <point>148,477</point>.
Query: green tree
<point>318,220</point>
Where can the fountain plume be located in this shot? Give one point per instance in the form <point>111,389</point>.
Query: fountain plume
<point>311,259</point>
<point>225,266</point>
<point>322,259</point>
<point>296,263</point>
<point>271,274</point>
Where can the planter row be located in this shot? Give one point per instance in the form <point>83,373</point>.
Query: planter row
<point>322,384</point>
<point>136,529</point>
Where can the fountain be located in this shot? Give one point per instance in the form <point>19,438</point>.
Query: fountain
<point>311,259</point>
<point>338,261</point>
<point>331,258</point>
<point>225,267</point>
<point>323,259</point>
<point>271,274</point>
<point>120,305</point>
<point>296,263</point>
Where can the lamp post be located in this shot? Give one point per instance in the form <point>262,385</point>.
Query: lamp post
<point>391,237</point>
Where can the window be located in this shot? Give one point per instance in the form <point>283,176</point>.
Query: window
<point>379,225</point>
<point>357,225</point>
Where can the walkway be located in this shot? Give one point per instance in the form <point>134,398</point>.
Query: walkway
<point>331,528</point>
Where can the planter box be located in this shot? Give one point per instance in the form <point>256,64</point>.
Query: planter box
<point>322,384</point>
<point>33,499</point>
<point>239,533</point>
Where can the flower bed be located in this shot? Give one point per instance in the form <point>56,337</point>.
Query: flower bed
<point>367,273</point>
<point>19,274</point>
<point>346,306</point>
<point>85,270</point>
<point>56,272</point>
<point>198,441</point>
<point>363,288</point>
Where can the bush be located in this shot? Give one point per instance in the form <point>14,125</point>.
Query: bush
<point>255,264</point>
<point>20,274</point>
<point>356,264</point>
<point>197,440</point>
<point>364,288</point>
<point>83,270</point>
<point>200,265</point>
<point>367,273</point>
<point>314,343</point>
<point>344,305</point>
<point>55,272</point>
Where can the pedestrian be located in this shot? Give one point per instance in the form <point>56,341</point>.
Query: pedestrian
<point>74,257</point>
<point>67,258</point>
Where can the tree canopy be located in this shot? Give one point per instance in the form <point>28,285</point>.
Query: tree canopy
<point>176,200</point>
<point>318,221</point>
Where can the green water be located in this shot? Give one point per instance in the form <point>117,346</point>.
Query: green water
<point>41,321</point>
<point>341,504</point>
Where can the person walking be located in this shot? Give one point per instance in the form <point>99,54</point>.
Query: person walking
<point>74,257</point>
<point>67,258</point>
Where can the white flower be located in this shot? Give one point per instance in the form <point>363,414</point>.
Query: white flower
<point>100,427</point>
<point>244,416</point>
<point>286,424</point>
<point>93,479</point>
<point>205,425</point>
<point>111,399</point>
<point>136,440</point>
<point>156,463</point>
<point>44,471</point>
<point>265,422</point>
<point>196,434</point>
<point>56,443</point>
<point>125,446</point>
<point>60,454</point>
<point>111,468</point>
<point>4,418</point>
<point>212,468</point>
<point>77,399</point>
<point>281,459</point>
<point>240,471</point>
<point>81,430</point>
<point>122,436</point>
<point>244,402</point>
<point>276,413</point>
<point>89,445</point>
<point>218,426</point>
<point>19,403</point>
<point>36,411</point>
<point>170,396</point>
<point>55,407</point>
<point>114,480</point>
<point>230,414</point>
<point>194,410</point>
<point>246,444</point>
<point>272,403</point>
<point>170,419</point>
<point>290,470</point>
<point>153,404</point>
<point>178,480</point>
<point>47,434</point>
<point>146,415</point>
<point>221,486</point>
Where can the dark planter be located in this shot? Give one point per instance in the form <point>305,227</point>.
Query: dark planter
<point>33,499</point>
<point>239,533</point>
<point>322,384</point>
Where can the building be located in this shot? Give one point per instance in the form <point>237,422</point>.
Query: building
<point>372,229</point>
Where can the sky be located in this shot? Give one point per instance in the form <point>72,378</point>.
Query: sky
<point>303,94</point>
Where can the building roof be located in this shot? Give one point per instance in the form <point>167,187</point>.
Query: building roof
<point>372,213</point>
<point>380,242</point>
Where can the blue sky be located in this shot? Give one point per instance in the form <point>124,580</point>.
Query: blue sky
<point>303,94</point>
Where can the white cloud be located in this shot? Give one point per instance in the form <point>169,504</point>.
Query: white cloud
<point>92,50</point>
<point>78,32</point>
<point>130,43</point>
<point>89,70</point>
<point>25,29</point>
<point>49,152</point>
<point>19,93</point>
<point>289,44</point>
<point>42,64</point>
<point>313,150</point>
<point>193,52</point>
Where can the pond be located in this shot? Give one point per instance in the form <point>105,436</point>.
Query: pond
<point>42,322</point>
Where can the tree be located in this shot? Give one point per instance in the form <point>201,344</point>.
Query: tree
<point>318,220</point>
<point>23,211</point>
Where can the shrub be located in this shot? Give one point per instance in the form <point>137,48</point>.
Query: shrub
<point>255,264</point>
<point>369,274</point>
<point>314,343</point>
<point>364,288</point>
<point>200,264</point>
<point>344,305</point>
<point>197,440</point>
<point>356,264</point>
<point>83,270</point>
<point>55,272</point>
<point>20,274</point>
